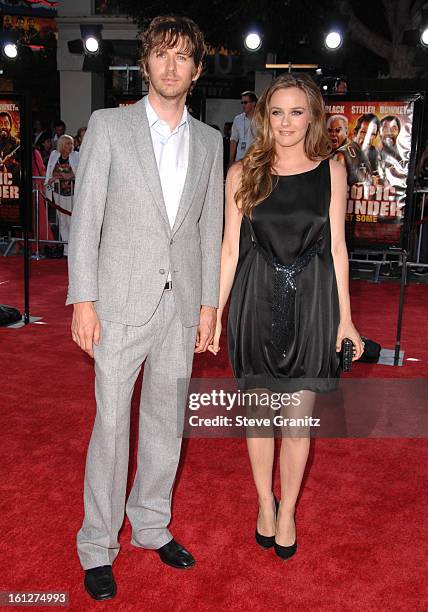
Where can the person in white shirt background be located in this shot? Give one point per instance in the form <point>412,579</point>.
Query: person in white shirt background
<point>242,131</point>
<point>59,181</point>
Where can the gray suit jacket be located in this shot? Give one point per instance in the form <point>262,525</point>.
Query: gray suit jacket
<point>121,245</point>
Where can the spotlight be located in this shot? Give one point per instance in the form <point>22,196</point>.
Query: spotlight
<point>97,52</point>
<point>253,41</point>
<point>333,41</point>
<point>10,50</point>
<point>424,37</point>
<point>91,45</point>
<point>92,38</point>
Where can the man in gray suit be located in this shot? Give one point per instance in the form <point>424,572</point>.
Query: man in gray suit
<point>144,263</point>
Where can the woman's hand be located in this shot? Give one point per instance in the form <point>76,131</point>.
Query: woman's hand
<point>348,330</point>
<point>214,347</point>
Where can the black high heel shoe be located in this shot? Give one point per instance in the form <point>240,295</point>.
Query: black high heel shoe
<point>267,541</point>
<point>285,552</point>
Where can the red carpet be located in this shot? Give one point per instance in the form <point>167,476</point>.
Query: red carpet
<point>360,518</point>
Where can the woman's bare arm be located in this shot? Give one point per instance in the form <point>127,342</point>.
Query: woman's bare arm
<point>340,256</point>
<point>229,248</point>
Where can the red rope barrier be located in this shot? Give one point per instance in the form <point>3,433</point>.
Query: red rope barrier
<point>54,205</point>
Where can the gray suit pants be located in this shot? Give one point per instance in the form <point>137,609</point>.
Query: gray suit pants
<point>167,349</point>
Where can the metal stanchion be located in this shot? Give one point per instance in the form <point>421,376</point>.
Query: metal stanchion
<point>47,220</point>
<point>400,307</point>
<point>416,244</point>
<point>39,195</point>
<point>421,227</point>
<point>58,202</point>
<point>37,255</point>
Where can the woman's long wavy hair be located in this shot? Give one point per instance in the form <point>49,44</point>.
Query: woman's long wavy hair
<point>257,166</point>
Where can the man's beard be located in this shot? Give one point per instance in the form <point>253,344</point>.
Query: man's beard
<point>170,91</point>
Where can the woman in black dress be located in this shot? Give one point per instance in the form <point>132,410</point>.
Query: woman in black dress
<point>285,264</point>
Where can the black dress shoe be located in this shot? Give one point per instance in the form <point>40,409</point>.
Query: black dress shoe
<point>267,541</point>
<point>175,555</point>
<point>99,582</point>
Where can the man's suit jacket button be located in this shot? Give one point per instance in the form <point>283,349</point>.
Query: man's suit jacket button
<point>161,271</point>
<point>171,241</point>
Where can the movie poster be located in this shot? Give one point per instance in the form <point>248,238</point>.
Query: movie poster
<point>29,30</point>
<point>10,163</point>
<point>373,140</point>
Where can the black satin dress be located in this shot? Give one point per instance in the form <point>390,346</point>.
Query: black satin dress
<point>284,308</point>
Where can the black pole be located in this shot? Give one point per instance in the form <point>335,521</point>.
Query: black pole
<point>27,195</point>
<point>401,305</point>
<point>26,278</point>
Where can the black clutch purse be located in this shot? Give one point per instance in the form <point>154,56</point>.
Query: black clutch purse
<point>346,354</point>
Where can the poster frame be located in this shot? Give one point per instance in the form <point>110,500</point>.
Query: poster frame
<point>25,186</point>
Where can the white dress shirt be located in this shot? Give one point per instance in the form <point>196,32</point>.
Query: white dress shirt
<point>172,157</point>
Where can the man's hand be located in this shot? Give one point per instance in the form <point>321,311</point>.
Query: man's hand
<point>206,328</point>
<point>85,327</point>
<point>214,346</point>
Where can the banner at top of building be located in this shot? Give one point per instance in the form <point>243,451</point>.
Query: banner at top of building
<point>107,7</point>
<point>40,8</point>
<point>374,139</point>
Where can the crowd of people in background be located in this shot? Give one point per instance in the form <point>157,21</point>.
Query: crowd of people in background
<point>55,157</point>
<point>46,139</point>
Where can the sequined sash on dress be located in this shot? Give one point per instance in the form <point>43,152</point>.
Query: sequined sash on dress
<point>284,291</point>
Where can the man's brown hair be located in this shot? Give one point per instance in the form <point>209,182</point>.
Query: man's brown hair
<point>164,32</point>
